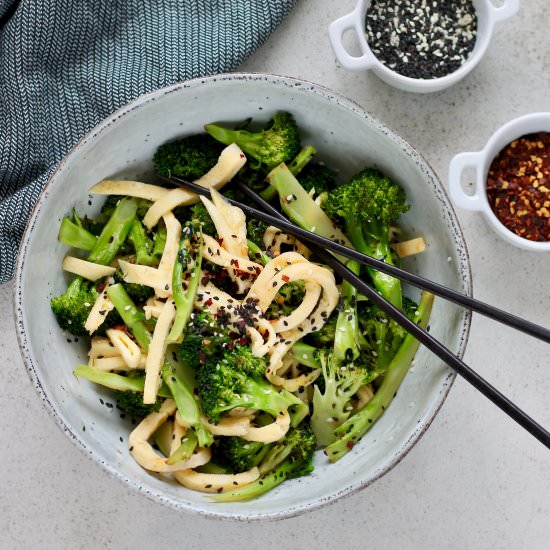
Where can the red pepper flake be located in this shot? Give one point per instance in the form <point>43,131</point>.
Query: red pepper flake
<point>285,278</point>
<point>208,302</point>
<point>518,186</point>
<point>236,263</point>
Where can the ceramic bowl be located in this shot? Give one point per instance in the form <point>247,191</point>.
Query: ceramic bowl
<point>123,146</point>
<point>480,161</point>
<point>487,16</point>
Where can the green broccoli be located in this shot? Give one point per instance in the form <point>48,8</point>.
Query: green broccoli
<point>72,308</point>
<point>255,230</point>
<point>231,382</point>
<point>279,142</point>
<point>139,294</point>
<point>368,205</point>
<point>355,427</point>
<point>72,233</point>
<point>242,455</point>
<point>291,457</point>
<point>188,158</point>
<point>205,337</point>
<point>317,176</point>
<point>383,336</point>
<point>325,335</point>
<point>183,392</point>
<point>332,407</point>
<point>131,403</point>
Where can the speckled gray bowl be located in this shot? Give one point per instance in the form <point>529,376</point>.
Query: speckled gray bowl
<point>123,146</point>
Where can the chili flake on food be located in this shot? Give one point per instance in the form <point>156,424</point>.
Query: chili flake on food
<point>518,186</point>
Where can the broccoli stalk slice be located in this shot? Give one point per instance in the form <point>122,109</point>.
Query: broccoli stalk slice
<point>348,339</point>
<point>296,166</point>
<point>185,299</point>
<point>115,381</point>
<point>353,429</point>
<point>332,408</point>
<point>114,233</point>
<point>305,355</point>
<point>376,244</point>
<point>255,253</point>
<point>75,235</point>
<point>301,160</point>
<point>133,318</point>
<point>260,486</point>
<point>300,207</point>
<point>186,403</point>
<point>163,438</point>
<point>185,450</point>
<point>143,245</point>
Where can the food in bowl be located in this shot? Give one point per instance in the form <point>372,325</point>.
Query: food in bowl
<point>235,349</point>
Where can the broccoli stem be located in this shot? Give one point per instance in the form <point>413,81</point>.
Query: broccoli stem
<point>353,429</point>
<point>133,318</point>
<point>256,253</point>
<point>302,159</point>
<point>296,166</point>
<point>306,355</point>
<point>184,299</point>
<point>75,235</point>
<point>185,450</point>
<point>298,205</point>
<point>143,245</point>
<point>389,287</point>
<point>259,487</point>
<point>186,403</point>
<point>348,338</point>
<point>114,233</point>
<point>115,381</point>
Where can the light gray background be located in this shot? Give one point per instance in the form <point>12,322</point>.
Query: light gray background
<point>475,480</point>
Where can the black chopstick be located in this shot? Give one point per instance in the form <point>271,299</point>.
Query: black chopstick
<point>468,302</point>
<point>436,347</point>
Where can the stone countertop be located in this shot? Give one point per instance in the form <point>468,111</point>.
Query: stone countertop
<point>474,481</point>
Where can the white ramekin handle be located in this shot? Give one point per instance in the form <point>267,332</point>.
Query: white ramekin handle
<point>458,164</point>
<point>508,9</point>
<point>336,32</point>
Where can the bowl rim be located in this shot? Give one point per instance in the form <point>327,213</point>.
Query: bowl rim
<point>275,80</point>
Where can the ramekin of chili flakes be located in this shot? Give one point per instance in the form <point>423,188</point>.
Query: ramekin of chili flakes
<point>518,186</point>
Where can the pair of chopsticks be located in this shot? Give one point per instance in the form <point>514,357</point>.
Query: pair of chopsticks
<point>319,246</point>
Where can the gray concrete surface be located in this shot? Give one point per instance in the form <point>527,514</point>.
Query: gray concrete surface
<point>475,481</point>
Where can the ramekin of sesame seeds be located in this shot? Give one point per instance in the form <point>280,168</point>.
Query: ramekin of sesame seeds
<point>512,181</point>
<point>419,46</point>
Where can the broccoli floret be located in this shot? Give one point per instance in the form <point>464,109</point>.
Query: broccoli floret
<point>255,230</point>
<point>325,335</point>
<point>223,387</point>
<point>355,427</point>
<point>242,455</point>
<point>318,177</point>
<point>131,403</point>
<point>383,336</point>
<point>72,308</point>
<point>279,142</point>
<point>368,205</point>
<point>204,338</point>
<point>199,214</point>
<point>188,158</point>
<point>291,457</point>
<point>331,408</point>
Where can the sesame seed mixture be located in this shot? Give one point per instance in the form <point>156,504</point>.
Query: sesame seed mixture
<point>422,39</point>
<point>518,186</point>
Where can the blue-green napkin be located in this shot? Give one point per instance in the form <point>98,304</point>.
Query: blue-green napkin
<point>67,64</point>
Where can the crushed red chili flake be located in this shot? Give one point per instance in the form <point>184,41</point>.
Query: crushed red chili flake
<point>518,186</point>
<point>285,278</point>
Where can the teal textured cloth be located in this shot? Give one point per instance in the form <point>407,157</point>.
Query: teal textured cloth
<point>67,64</point>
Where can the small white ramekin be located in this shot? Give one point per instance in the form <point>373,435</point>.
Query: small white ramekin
<point>487,16</point>
<point>481,162</point>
